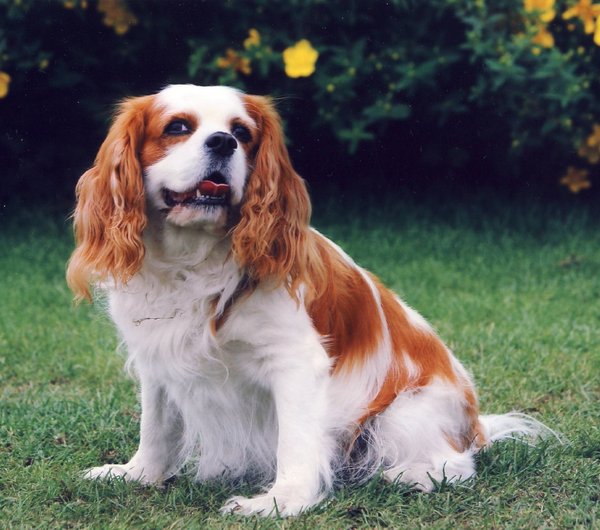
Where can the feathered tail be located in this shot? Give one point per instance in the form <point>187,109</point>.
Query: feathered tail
<point>515,426</point>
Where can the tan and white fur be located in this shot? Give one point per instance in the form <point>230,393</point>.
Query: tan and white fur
<point>260,347</point>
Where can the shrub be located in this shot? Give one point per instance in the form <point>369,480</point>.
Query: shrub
<point>471,90</point>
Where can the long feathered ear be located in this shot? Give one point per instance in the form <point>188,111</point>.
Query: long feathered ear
<point>271,240</point>
<point>110,214</point>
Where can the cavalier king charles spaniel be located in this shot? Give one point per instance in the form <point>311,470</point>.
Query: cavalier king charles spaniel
<point>262,349</point>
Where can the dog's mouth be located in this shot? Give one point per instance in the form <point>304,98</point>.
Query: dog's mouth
<point>211,191</point>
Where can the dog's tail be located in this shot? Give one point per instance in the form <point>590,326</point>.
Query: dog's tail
<point>515,426</point>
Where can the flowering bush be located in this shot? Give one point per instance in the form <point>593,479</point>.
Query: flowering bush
<point>462,89</point>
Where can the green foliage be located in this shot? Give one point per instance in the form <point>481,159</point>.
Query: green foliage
<point>545,95</point>
<point>463,86</point>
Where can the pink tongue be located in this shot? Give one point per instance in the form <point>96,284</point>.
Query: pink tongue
<point>212,189</point>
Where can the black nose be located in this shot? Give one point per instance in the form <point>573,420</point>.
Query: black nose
<point>221,143</point>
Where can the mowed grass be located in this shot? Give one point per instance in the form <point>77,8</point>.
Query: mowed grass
<point>515,293</point>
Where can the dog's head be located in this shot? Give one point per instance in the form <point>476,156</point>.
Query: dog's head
<point>205,159</point>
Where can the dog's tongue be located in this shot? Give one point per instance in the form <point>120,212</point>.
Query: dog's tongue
<point>212,189</point>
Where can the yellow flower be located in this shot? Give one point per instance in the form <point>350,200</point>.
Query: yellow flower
<point>300,59</point>
<point>4,82</point>
<point>117,15</point>
<point>594,138</point>
<point>586,11</point>
<point>543,37</point>
<point>234,61</point>
<point>545,8</point>
<point>253,39</point>
<point>69,4</point>
<point>590,149</point>
<point>597,32</point>
<point>576,179</point>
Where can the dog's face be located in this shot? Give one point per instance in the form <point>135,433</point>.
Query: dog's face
<point>207,159</point>
<point>195,154</point>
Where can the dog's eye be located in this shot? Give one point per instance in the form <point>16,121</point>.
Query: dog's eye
<point>177,127</point>
<point>241,133</point>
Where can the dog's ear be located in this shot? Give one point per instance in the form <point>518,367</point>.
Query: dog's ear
<point>110,213</point>
<point>270,240</point>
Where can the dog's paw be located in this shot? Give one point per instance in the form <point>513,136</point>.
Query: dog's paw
<point>267,505</point>
<point>124,472</point>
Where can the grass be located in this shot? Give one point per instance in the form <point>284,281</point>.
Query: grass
<point>514,293</point>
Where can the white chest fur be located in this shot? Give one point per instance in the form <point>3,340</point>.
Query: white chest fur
<point>217,388</point>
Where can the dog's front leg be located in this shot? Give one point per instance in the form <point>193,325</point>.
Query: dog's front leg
<point>304,446</point>
<point>160,434</point>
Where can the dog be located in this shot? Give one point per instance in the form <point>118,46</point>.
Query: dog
<point>261,348</point>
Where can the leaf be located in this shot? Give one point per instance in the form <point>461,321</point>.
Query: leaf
<point>197,60</point>
<point>386,111</point>
<point>355,135</point>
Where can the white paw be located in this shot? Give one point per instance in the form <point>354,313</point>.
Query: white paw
<point>267,505</point>
<point>125,471</point>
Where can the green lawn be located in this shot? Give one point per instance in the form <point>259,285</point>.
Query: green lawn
<point>516,294</point>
